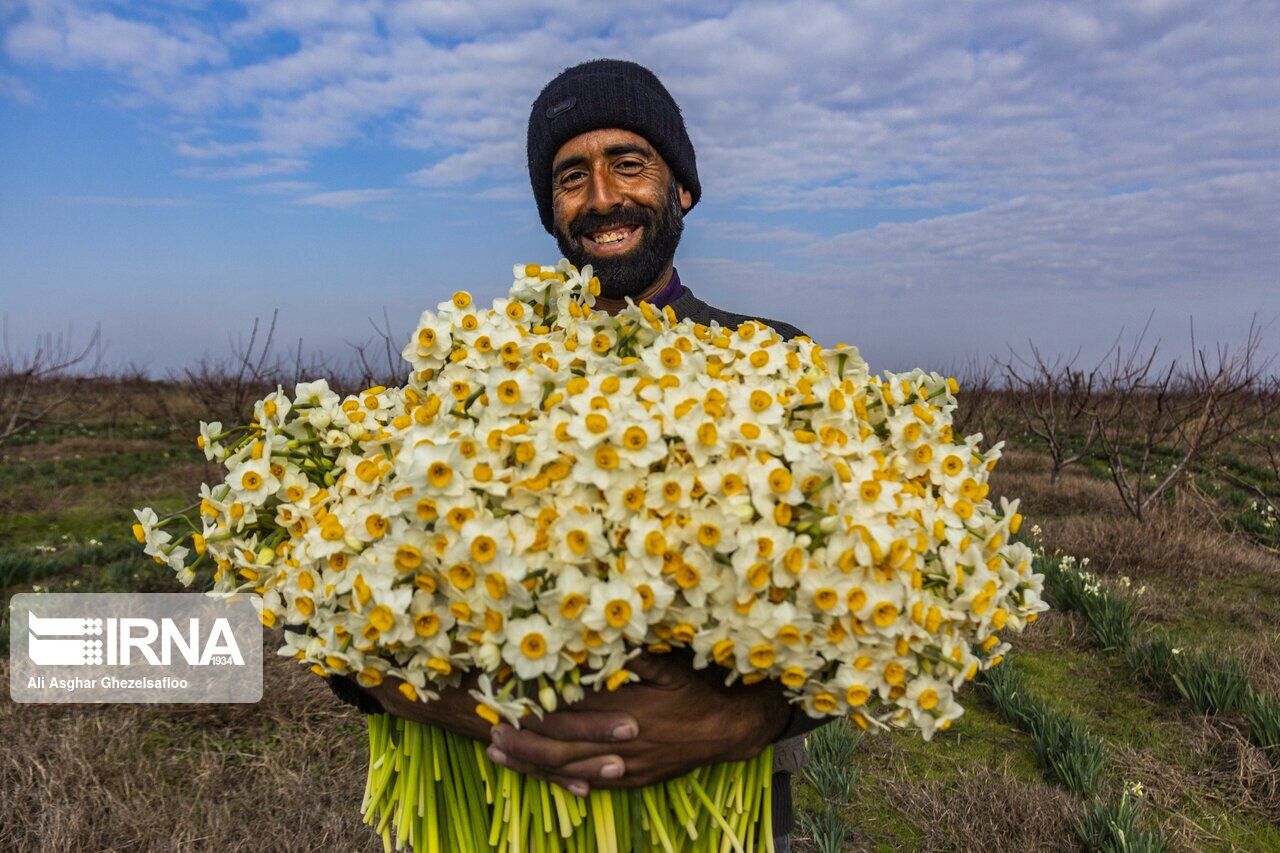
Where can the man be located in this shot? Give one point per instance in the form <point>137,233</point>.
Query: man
<point>613,173</point>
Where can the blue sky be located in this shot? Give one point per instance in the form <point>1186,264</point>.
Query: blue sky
<point>929,181</point>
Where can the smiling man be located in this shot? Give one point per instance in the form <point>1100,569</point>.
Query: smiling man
<point>613,173</point>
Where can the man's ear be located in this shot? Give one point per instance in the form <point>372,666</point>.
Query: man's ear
<point>686,197</point>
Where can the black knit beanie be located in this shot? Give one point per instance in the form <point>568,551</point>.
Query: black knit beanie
<point>599,94</point>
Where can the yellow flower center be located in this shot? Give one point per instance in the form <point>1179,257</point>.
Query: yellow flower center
<point>572,605</point>
<point>439,474</point>
<point>382,618</point>
<point>617,612</point>
<point>483,549</point>
<point>885,614</point>
<point>606,458</point>
<point>762,655</point>
<point>533,645</point>
<point>462,576</point>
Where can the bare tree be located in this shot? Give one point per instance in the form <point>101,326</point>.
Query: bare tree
<point>35,387</point>
<point>227,387</point>
<point>982,404</point>
<point>1054,400</point>
<point>1265,441</point>
<point>376,362</point>
<point>1179,414</point>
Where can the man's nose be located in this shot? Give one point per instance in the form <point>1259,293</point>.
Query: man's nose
<point>603,195</point>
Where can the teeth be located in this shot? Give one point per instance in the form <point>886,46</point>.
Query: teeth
<point>611,236</point>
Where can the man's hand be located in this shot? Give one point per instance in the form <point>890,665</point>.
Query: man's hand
<point>585,740</point>
<point>683,718</point>
<point>673,720</point>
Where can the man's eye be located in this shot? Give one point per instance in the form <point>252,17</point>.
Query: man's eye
<point>630,165</point>
<point>569,178</point>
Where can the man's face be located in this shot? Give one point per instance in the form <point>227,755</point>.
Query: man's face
<point>617,207</point>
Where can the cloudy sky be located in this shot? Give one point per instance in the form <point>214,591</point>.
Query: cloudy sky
<point>928,180</point>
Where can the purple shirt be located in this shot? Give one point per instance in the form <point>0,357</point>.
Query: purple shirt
<point>672,291</point>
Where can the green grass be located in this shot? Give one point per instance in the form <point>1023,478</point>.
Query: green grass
<point>35,527</point>
<point>978,739</point>
<point>1234,611</point>
<point>139,430</point>
<point>27,564</point>
<point>97,517</point>
<point>1104,693</point>
<point>94,469</point>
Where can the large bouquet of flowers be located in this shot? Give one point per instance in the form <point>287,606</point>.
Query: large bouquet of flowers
<point>555,490</point>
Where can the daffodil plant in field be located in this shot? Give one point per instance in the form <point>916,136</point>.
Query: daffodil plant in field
<point>554,491</point>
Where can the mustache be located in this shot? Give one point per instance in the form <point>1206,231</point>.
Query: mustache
<point>588,222</point>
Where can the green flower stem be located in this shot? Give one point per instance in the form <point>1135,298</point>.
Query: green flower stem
<point>429,790</point>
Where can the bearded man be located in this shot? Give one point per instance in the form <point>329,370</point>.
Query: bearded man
<point>613,173</point>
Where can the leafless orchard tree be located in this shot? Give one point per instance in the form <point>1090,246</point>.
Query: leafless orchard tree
<point>37,386</point>
<point>377,361</point>
<point>226,387</point>
<point>1193,409</point>
<point>1264,439</point>
<point>1054,400</point>
<point>983,404</point>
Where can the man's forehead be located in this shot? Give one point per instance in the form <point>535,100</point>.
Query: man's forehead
<point>597,141</point>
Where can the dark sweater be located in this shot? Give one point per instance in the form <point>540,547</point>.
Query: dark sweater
<point>789,748</point>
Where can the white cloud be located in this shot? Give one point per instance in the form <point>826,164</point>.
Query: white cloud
<point>258,169</point>
<point>493,158</point>
<point>279,187</point>
<point>792,105</point>
<point>1190,236</point>
<point>122,201</point>
<point>15,90</point>
<point>67,35</point>
<point>341,199</point>
<point>751,232</point>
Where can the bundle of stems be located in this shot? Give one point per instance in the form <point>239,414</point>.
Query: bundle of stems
<point>431,790</point>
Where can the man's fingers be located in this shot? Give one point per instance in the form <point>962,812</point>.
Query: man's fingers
<point>600,767</point>
<point>546,752</point>
<point>577,787</point>
<point>595,726</point>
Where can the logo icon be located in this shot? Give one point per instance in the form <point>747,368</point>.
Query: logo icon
<point>55,640</point>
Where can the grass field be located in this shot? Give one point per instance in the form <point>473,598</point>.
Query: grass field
<point>287,773</point>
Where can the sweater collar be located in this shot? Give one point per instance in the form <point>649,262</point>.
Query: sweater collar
<point>670,292</point>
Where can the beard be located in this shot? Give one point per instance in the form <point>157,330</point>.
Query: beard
<point>633,272</point>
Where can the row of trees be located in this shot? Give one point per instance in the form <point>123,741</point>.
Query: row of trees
<point>1151,419</point>
<point>62,381</point>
